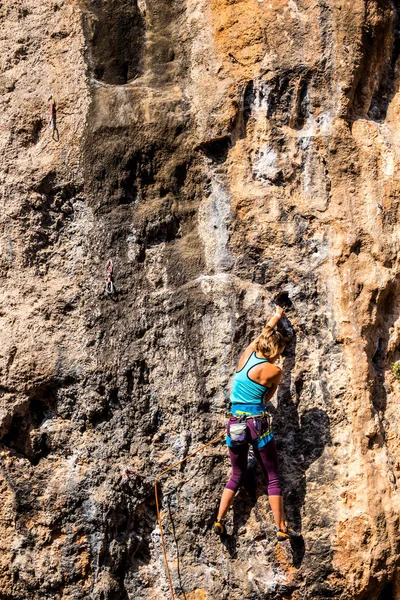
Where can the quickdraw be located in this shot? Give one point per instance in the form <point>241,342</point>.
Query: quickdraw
<point>52,113</point>
<point>52,124</point>
<point>109,289</point>
<point>131,473</point>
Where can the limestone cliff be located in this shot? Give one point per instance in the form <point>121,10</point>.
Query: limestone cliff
<point>226,155</point>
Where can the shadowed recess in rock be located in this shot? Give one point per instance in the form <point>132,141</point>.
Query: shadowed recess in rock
<point>387,593</point>
<point>374,85</point>
<point>115,32</point>
<point>24,435</point>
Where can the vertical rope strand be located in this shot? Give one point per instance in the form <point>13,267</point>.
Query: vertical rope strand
<point>158,508</point>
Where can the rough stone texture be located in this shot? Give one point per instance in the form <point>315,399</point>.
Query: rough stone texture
<point>226,154</point>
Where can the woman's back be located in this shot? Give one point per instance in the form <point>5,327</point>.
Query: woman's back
<point>264,372</point>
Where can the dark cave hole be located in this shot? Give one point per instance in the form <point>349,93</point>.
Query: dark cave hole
<point>387,89</point>
<point>24,435</point>
<point>364,101</point>
<point>284,85</point>
<point>40,449</point>
<point>356,247</point>
<point>128,182</point>
<point>113,399</point>
<point>142,370</point>
<point>302,108</point>
<point>141,552</point>
<point>279,96</point>
<point>129,383</point>
<point>379,398</point>
<point>279,179</point>
<point>39,412</point>
<point>217,150</point>
<point>282,299</point>
<point>387,593</point>
<point>47,185</point>
<point>389,302</point>
<point>18,438</point>
<point>147,174</point>
<point>36,129</point>
<point>286,95</point>
<point>115,37</point>
<point>99,72</point>
<point>299,385</point>
<point>204,406</point>
<point>378,359</point>
<point>164,191</point>
<point>124,72</point>
<point>248,101</point>
<point>180,174</point>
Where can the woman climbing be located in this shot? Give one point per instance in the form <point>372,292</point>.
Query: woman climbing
<point>254,384</point>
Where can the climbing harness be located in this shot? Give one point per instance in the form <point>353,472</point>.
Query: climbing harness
<point>238,429</point>
<point>109,289</point>
<point>156,479</point>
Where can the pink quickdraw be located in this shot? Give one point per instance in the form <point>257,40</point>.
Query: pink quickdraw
<point>109,277</point>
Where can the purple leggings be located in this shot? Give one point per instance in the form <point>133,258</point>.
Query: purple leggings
<point>268,459</point>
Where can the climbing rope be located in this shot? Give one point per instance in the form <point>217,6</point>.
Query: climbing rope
<point>158,477</point>
<point>156,480</point>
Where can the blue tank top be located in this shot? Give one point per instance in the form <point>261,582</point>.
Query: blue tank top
<point>247,396</point>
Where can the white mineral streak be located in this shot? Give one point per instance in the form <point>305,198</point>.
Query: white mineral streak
<point>214,219</point>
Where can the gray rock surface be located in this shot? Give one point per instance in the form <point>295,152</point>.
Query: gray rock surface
<point>226,155</point>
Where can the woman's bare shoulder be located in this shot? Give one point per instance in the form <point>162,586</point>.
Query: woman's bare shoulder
<point>274,372</point>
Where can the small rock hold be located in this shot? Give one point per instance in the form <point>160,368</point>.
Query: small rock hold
<point>371,432</point>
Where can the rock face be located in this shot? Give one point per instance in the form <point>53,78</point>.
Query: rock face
<point>226,155</point>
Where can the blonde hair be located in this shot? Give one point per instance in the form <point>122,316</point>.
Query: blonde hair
<point>270,342</point>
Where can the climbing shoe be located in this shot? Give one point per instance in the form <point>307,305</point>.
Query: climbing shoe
<point>286,535</point>
<point>219,527</point>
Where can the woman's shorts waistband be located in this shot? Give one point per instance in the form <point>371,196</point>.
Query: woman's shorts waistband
<point>247,410</point>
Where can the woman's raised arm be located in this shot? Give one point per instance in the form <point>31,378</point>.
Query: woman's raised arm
<point>279,313</point>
